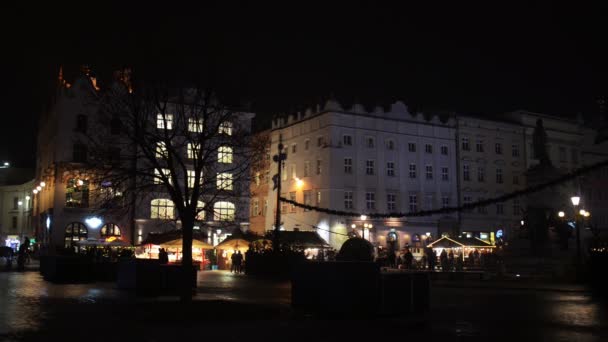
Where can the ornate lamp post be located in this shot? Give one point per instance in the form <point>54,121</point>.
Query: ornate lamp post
<point>575,201</point>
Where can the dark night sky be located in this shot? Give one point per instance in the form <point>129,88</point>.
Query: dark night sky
<point>481,59</point>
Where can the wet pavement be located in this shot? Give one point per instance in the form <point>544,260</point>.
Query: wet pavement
<point>231,307</point>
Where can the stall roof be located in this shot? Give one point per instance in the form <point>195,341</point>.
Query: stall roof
<point>159,238</point>
<point>456,242</point>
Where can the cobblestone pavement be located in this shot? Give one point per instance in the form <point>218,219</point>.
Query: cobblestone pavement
<point>231,307</point>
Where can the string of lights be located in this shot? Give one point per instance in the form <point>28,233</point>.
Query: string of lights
<point>465,207</point>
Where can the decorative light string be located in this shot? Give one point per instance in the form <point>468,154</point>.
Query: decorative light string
<point>468,206</point>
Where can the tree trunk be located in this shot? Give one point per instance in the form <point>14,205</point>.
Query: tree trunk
<point>186,283</point>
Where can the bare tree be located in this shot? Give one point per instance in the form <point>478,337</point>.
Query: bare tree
<point>176,142</point>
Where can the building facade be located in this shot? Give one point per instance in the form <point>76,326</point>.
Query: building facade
<point>65,209</point>
<point>491,162</point>
<point>366,162</point>
<point>16,214</point>
<point>260,186</point>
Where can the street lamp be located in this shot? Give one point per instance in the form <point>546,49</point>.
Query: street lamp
<point>561,214</point>
<point>575,201</point>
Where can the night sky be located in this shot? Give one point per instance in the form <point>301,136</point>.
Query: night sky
<point>478,59</point>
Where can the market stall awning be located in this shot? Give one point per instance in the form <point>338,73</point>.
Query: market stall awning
<point>110,242</point>
<point>172,235</point>
<point>302,239</point>
<point>178,243</point>
<point>458,242</point>
<point>238,240</point>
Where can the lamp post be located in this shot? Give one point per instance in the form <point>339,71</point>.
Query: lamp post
<point>575,201</point>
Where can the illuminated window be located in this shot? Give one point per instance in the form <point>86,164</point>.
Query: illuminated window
<point>223,211</point>
<point>75,231</point>
<point>224,154</point>
<point>200,210</point>
<point>292,208</point>
<point>192,151</point>
<point>161,150</point>
<point>226,128</point>
<point>192,178</point>
<point>255,207</point>
<point>158,176</point>
<point>109,229</point>
<point>162,208</point>
<point>77,193</point>
<point>195,125</point>
<point>164,121</point>
<point>224,181</point>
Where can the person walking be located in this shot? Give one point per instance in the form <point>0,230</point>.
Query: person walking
<point>407,259</point>
<point>239,262</point>
<point>233,263</point>
<point>451,260</point>
<point>443,258</point>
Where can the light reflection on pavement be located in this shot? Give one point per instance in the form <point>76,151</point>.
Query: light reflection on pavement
<point>30,306</point>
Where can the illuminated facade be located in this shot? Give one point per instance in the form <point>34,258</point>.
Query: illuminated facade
<point>491,162</point>
<point>16,214</point>
<point>367,162</point>
<point>66,208</point>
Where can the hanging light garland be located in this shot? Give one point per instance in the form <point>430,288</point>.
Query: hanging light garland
<point>568,177</point>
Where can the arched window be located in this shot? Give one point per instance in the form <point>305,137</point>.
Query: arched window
<point>110,229</point>
<point>201,214</point>
<point>223,211</point>
<point>75,231</point>
<point>162,208</point>
<point>77,193</point>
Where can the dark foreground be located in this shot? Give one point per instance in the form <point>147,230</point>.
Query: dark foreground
<point>234,307</point>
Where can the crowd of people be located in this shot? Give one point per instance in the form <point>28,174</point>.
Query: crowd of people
<point>446,261</point>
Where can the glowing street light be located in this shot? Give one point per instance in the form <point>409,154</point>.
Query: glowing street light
<point>587,214</point>
<point>39,188</point>
<point>299,182</point>
<point>575,200</point>
<point>35,191</point>
<point>363,217</point>
<point>42,184</point>
<point>582,212</point>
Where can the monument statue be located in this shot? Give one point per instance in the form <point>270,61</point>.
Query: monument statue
<point>539,139</point>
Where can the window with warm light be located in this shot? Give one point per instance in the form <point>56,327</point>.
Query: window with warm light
<point>162,208</point>
<point>109,230</point>
<point>200,210</point>
<point>224,154</point>
<point>161,150</point>
<point>307,198</point>
<point>75,231</point>
<point>164,121</point>
<point>195,125</point>
<point>77,193</point>
<point>192,179</point>
<point>224,211</point>
<point>226,128</point>
<point>192,151</point>
<point>224,181</point>
<point>158,176</point>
